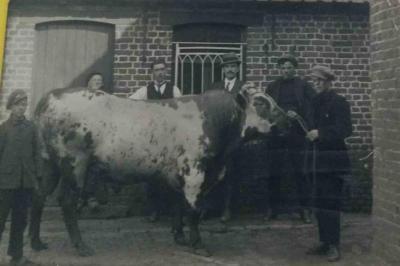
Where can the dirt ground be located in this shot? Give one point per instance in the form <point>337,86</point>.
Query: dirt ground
<point>245,241</point>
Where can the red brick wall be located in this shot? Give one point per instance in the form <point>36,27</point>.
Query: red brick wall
<point>385,74</point>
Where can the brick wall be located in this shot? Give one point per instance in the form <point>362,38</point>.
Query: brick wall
<point>385,75</point>
<point>340,40</point>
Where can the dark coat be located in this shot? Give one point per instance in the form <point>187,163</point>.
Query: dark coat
<point>220,85</point>
<point>304,94</point>
<point>332,118</point>
<point>19,155</point>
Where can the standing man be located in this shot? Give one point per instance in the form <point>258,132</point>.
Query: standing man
<point>157,89</point>
<point>231,83</point>
<point>332,124</point>
<point>292,94</point>
<point>19,171</point>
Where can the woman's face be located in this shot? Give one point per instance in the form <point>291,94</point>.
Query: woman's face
<point>95,82</point>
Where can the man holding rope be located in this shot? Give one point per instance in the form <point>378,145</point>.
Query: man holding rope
<point>292,94</point>
<point>332,124</point>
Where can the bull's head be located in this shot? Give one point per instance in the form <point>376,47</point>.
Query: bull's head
<point>262,112</point>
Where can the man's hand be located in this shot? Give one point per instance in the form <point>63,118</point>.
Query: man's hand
<point>292,114</point>
<point>312,134</point>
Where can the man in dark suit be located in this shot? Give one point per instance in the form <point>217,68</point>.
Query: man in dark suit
<point>288,151</point>
<point>231,83</point>
<point>332,124</point>
<point>230,67</point>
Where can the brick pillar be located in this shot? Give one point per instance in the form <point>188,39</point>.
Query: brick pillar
<point>385,74</point>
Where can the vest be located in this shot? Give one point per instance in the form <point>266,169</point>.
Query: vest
<point>153,94</point>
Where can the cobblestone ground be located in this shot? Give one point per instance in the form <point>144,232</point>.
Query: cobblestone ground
<point>246,241</point>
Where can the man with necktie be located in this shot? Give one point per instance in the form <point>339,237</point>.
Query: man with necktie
<point>159,88</point>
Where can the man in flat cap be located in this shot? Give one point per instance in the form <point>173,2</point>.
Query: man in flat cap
<point>332,124</point>
<point>287,151</point>
<point>231,83</point>
<point>19,171</point>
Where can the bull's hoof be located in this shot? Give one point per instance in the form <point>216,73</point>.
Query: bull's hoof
<point>180,239</point>
<point>84,250</point>
<point>202,252</point>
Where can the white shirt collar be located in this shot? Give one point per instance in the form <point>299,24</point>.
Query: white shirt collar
<point>230,83</point>
<point>160,88</point>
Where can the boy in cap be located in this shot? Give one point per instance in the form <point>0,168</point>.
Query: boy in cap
<point>19,170</point>
<point>287,151</point>
<point>332,124</point>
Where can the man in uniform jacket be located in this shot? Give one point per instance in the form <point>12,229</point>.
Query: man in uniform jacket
<point>232,84</point>
<point>287,151</point>
<point>332,124</point>
<point>19,171</point>
<point>157,89</point>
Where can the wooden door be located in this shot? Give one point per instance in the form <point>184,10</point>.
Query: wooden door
<point>66,52</point>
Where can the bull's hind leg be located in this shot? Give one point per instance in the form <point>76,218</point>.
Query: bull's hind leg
<point>48,183</point>
<point>69,201</point>
<point>38,202</point>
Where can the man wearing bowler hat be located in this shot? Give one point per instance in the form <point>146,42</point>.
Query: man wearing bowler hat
<point>332,124</point>
<point>19,172</point>
<point>231,83</point>
<point>288,151</point>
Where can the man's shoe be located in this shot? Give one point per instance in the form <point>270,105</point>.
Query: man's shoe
<point>333,254</point>
<point>226,216</point>
<point>320,249</point>
<point>271,215</point>
<point>154,217</point>
<point>305,215</point>
<point>38,245</point>
<point>93,204</point>
<point>22,262</point>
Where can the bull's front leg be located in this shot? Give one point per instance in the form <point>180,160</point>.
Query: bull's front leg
<point>195,238</point>
<point>177,224</point>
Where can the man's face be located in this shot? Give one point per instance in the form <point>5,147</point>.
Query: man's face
<point>95,82</point>
<point>19,108</point>
<point>231,70</point>
<point>159,72</point>
<point>320,84</point>
<point>287,70</point>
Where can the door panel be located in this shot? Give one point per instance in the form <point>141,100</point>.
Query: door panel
<point>66,52</point>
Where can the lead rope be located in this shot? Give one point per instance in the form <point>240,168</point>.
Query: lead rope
<point>303,125</point>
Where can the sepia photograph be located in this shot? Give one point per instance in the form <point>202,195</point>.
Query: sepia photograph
<point>199,132</point>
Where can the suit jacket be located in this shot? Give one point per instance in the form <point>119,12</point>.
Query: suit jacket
<point>220,85</point>
<point>332,118</point>
<point>19,155</point>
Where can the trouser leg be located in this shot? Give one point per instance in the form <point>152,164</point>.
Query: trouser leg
<point>329,206</point>
<point>18,222</point>
<point>6,196</point>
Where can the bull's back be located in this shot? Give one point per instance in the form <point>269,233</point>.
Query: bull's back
<point>130,136</point>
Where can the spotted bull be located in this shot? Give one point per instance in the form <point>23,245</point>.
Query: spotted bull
<point>184,142</point>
